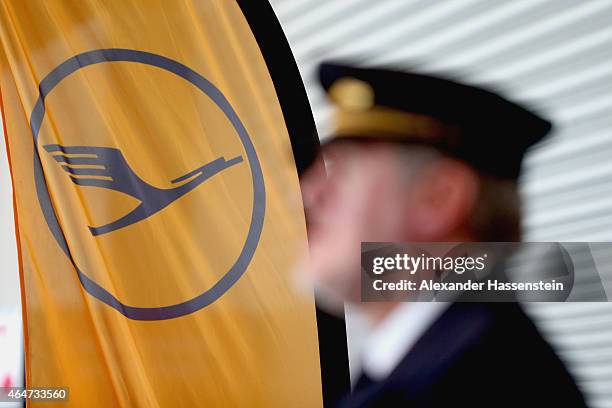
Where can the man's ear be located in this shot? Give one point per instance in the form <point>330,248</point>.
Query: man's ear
<point>442,199</point>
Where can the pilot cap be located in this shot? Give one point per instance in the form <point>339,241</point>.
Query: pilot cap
<point>470,123</point>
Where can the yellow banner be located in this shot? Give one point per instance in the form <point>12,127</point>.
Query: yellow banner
<point>157,204</point>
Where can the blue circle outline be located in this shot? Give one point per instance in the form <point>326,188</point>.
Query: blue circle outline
<point>209,296</point>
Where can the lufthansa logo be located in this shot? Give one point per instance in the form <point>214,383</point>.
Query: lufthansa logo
<point>107,168</point>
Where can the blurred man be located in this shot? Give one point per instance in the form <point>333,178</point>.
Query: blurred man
<point>421,159</point>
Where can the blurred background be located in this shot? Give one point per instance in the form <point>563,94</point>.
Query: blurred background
<point>554,55</point>
<point>11,340</point>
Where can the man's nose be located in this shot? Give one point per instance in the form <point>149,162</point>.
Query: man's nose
<point>313,185</point>
<point>314,190</point>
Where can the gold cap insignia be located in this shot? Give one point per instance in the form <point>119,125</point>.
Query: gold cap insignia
<point>352,94</point>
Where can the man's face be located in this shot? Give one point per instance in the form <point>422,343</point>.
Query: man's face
<point>363,198</point>
<point>379,192</point>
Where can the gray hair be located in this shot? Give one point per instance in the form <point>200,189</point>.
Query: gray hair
<point>497,213</point>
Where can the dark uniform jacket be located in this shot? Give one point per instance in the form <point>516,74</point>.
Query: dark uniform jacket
<point>474,355</point>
